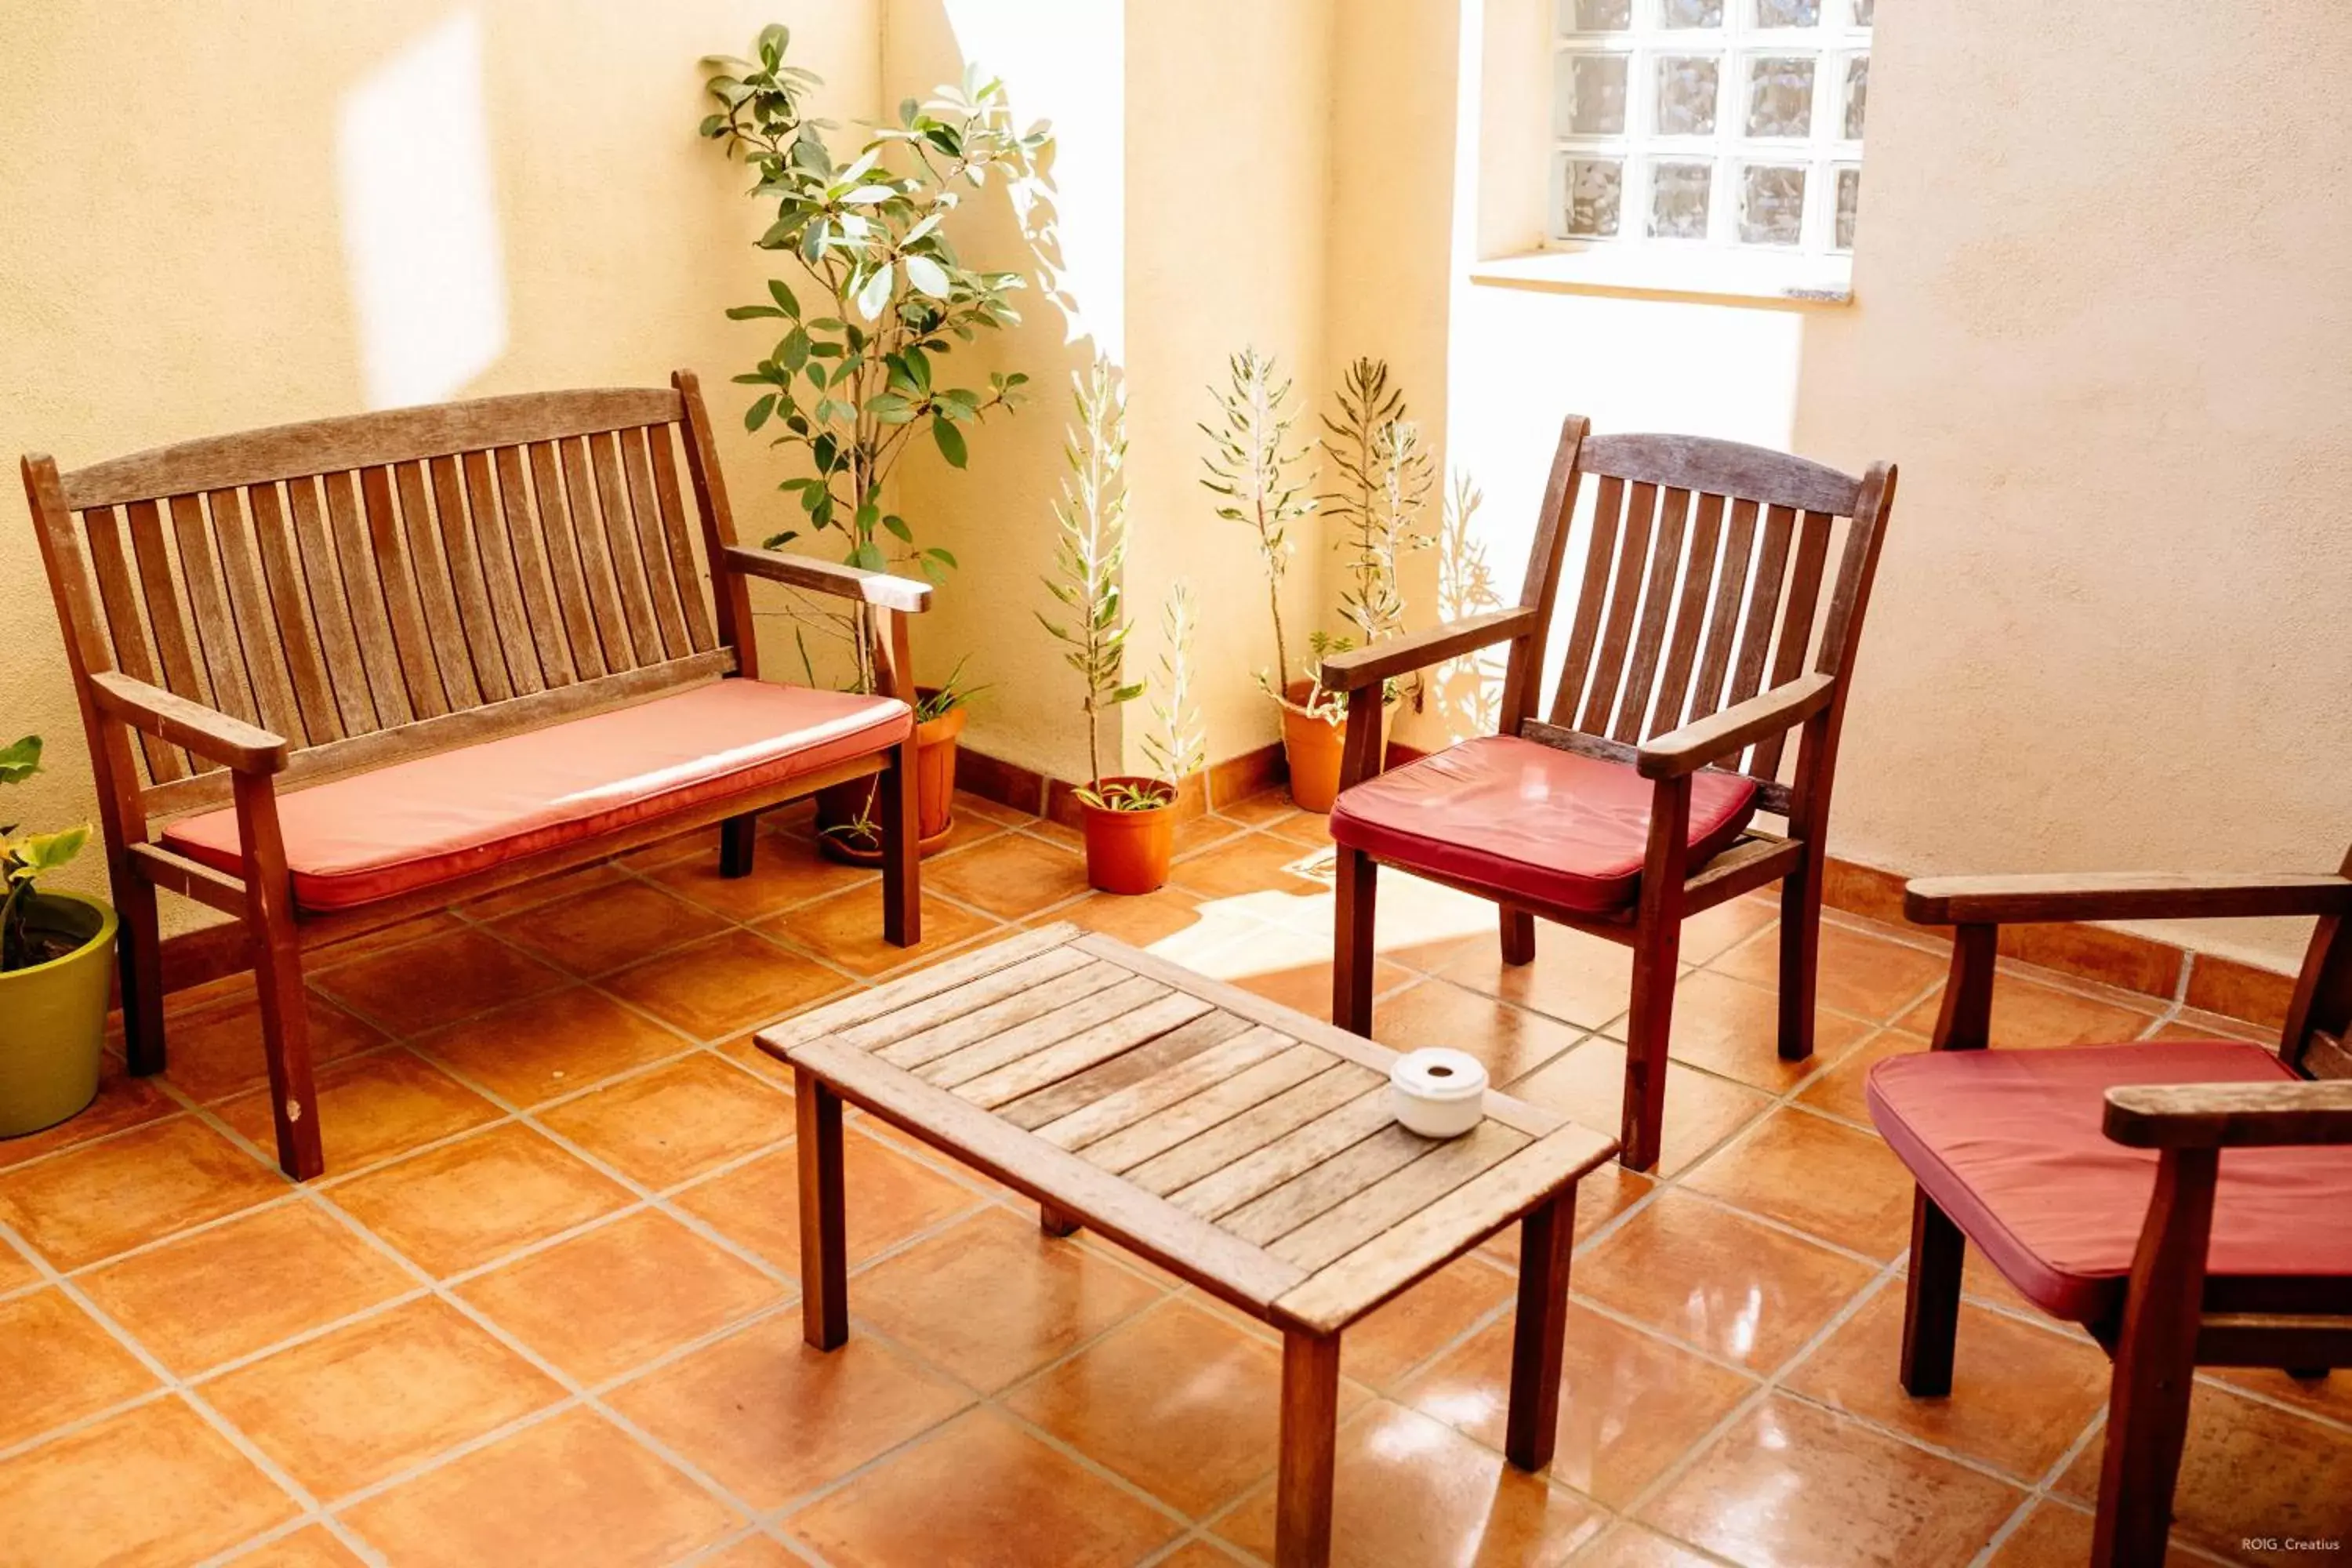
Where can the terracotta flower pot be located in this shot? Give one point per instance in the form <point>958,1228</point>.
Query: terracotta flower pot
<point>844,805</point>
<point>1127,851</point>
<point>1311,746</point>
<point>53,1017</point>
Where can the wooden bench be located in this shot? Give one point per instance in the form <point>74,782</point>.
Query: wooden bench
<point>1239,1144</point>
<point>272,619</point>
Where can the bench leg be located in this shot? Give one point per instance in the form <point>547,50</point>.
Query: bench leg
<point>1931,1305</point>
<point>277,976</point>
<point>139,958</point>
<point>825,1249</point>
<point>902,854</point>
<point>1352,944</point>
<point>738,837</point>
<point>1540,1330</point>
<point>1310,1420</point>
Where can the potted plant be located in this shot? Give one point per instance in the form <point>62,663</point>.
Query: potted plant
<point>847,829</point>
<point>862,373</point>
<point>57,958</point>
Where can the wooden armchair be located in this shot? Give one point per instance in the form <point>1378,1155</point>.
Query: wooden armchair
<point>334,674</point>
<point>1708,626</point>
<point>2094,1177</point>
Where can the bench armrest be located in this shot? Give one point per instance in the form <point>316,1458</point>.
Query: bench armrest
<point>1725,734</point>
<point>2121,896</point>
<point>2229,1115</point>
<point>209,733</point>
<point>1418,650</point>
<point>879,588</point>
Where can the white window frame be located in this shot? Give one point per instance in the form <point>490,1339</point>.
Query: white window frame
<point>1821,154</point>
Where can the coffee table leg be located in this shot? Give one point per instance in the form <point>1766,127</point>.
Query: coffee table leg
<point>824,1253</point>
<point>1053,1222</point>
<point>1310,1416</point>
<point>1539,1329</point>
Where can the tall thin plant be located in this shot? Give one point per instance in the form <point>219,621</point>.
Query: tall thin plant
<point>1384,472</point>
<point>1178,747</point>
<point>1249,467</point>
<point>1090,553</point>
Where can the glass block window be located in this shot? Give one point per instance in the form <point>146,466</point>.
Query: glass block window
<point>1735,125</point>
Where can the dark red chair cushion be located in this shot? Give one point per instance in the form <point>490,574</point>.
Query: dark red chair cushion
<point>2008,1143</point>
<point>1524,821</point>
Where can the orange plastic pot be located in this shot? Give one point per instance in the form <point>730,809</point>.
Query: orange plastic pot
<point>844,805</point>
<point>1311,747</point>
<point>1128,851</point>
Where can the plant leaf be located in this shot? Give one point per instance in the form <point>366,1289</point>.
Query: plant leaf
<point>927,276</point>
<point>950,442</point>
<point>20,761</point>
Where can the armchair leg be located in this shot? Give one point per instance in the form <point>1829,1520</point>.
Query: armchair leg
<point>1352,942</point>
<point>1519,934</point>
<point>1800,955</point>
<point>139,959</point>
<point>1931,1305</point>
<point>738,837</point>
<point>1648,1029</point>
<point>902,854</point>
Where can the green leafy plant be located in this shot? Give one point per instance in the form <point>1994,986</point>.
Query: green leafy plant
<point>861,373</point>
<point>24,859</point>
<point>1257,477</point>
<point>1088,556</point>
<point>947,696</point>
<point>1383,473</point>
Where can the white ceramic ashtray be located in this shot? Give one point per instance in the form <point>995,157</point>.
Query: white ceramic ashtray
<point>1438,1092</point>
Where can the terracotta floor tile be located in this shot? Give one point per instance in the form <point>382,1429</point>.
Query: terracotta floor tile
<point>1202,1553</point>
<point>968,804</point>
<point>1380,1349</point>
<point>608,927</point>
<point>784,871</point>
<point>1712,933</point>
<point>94,1202</point>
<point>1177,1401</point>
<point>58,1363</point>
<point>122,1102</point>
<point>1839,1090</point>
<point>1716,1280</point>
<point>1511,1041</point>
<point>1140,920</point>
<point>1583,980</point>
<point>1411,1491</point>
<point>617,1296</point>
<point>770,1419</point>
<point>1821,1176</point>
<point>1305,983</point>
<point>2194,1024</point>
<point>695,843</point>
<point>552,1045</point>
<point>2056,1536</point>
<point>1732,1027</point>
<point>492,907</point>
<point>888,1198</point>
<point>981,1491</point>
<point>216,1051</point>
<point>1011,877</point>
<point>574,1489</point>
<point>373,1107</point>
<point>743,1050</point>
<point>366,1401</point>
<point>992,1300</point>
<point>754,1551</point>
<point>230,1290</point>
<point>676,1122</point>
<point>152,1488</point>
<point>1263,809</point>
<point>846,929</point>
<point>725,984</point>
<point>1793,1487</point>
<point>2330,1396</point>
<point>2027,1014</point>
<point>312,1546</point>
<point>436,980</point>
<point>2021,1394</point>
<point>2248,1470</point>
<point>1588,1085</point>
<point>1419,924</point>
<point>1257,863</point>
<point>1630,1403</point>
<point>464,1203</point>
<point>1861,974</point>
<point>1630,1546</point>
<point>17,1270</point>
<point>1208,830</point>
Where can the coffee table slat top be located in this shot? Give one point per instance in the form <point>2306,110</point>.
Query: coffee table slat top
<point>1243,1144</point>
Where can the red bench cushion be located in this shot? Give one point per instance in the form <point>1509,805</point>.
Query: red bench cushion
<point>1526,821</point>
<point>420,822</point>
<point>2008,1143</point>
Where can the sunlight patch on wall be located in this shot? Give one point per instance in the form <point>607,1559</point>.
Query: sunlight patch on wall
<point>420,219</point>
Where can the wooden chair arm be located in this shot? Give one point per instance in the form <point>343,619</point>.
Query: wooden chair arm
<point>210,734</point>
<point>2229,1115</point>
<point>1419,650</point>
<point>879,588</point>
<point>1725,734</point>
<point>2121,896</point>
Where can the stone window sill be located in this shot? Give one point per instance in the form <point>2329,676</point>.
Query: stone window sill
<point>1771,282</point>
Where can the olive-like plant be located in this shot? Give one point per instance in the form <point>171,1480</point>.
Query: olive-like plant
<point>1383,473</point>
<point>1257,477</point>
<point>1089,556</point>
<point>24,859</point>
<point>1179,746</point>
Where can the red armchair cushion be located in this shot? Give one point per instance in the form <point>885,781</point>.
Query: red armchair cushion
<point>2008,1143</point>
<point>420,822</point>
<point>1526,821</point>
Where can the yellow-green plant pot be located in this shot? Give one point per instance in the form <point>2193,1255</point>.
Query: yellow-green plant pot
<point>52,1018</point>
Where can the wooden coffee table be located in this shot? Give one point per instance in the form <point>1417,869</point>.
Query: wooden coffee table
<point>1240,1144</point>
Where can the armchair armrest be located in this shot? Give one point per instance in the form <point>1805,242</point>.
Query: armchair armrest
<point>1725,734</point>
<point>210,734</point>
<point>2229,1115</point>
<point>879,588</point>
<point>1418,650</point>
<point>2121,896</point>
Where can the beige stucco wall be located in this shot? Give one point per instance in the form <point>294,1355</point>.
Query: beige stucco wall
<point>173,263</point>
<point>2103,319</point>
